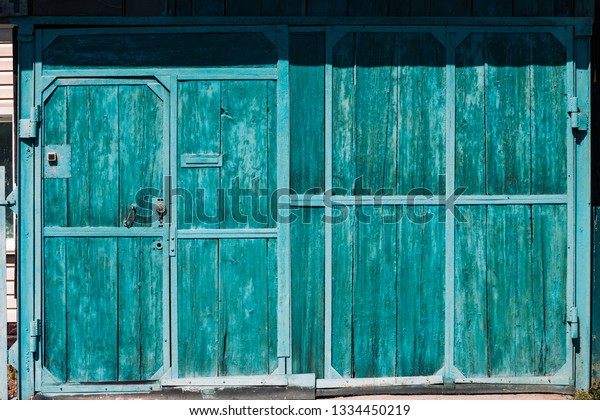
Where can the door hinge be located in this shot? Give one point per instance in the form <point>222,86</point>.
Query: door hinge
<point>10,201</point>
<point>579,120</point>
<point>35,332</point>
<point>573,321</point>
<point>28,127</point>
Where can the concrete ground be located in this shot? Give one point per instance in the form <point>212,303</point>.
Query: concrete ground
<point>464,397</point>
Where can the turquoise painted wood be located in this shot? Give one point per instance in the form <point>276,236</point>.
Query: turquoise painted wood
<point>103,297</point>
<point>396,286</point>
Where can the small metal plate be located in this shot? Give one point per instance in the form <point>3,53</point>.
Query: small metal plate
<point>61,167</point>
<point>201,161</point>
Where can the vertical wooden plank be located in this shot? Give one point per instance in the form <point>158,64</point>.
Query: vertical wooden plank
<point>549,270</point>
<point>104,156</point>
<point>584,8</point>
<point>367,7</point>
<point>243,326</point>
<point>326,8</point>
<point>55,132</point>
<point>564,8</point>
<point>243,7</point>
<point>198,308</point>
<point>130,316</point>
<point>595,312</point>
<point>78,116</point>
<point>184,7</point>
<point>492,8</point>
<point>533,8</point>
<point>421,114</point>
<point>471,338</point>
<point>420,8</point>
<point>399,7</point>
<point>375,273</point>
<point>344,115</point>
<point>283,7</point>
<point>199,132</point>
<point>420,291</point>
<point>55,308</point>
<point>308,273</point>
<point>470,115</point>
<point>151,307</point>
<point>244,145</point>
<point>376,113</point>
<point>272,151</point>
<point>510,290</point>
<point>342,275</point>
<point>451,7</point>
<point>272,298</point>
<point>144,130</point>
<point>307,117</point>
<point>146,7</point>
<point>508,120</point>
<point>549,114</point>
<point>72,7</point>
<point>3,296</point>
<point>208,7</point>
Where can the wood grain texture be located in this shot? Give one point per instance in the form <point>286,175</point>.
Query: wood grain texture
<point>55,307</point>
<point>451,7</point>
<point>367,7</point>
<point>533,7</point>
<point>198,308</point>
<point>307,116</point>
<point>308,282</point>
<point>208,7</point>
<point>495,8</point>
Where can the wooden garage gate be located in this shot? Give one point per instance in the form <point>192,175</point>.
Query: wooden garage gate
<point>432,234</point>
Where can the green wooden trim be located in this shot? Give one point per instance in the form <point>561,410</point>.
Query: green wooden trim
<point>227,233</point>
<point>583,217</point>
<point>190,73</point>
<point>380,382</point>
<point>26,227</point>
<point>450,217</point>
<point>81,389</point>
<point>100,232</point>
<point>306,380</point>
<point>130,21</point>
<point>525,380</point>
<point>284,345</point>
<point>3,312</point>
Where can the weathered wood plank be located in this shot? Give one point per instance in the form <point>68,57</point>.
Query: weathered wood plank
<point>243,7</point>
<point>283,7</point>
<point>104,156</point>
<point>367,7</point>
<point>537,8</point>
<point>342,275</point>
<point>308,293</point>
<point>198,308</point>
<point>244,144</point>
<point>78,115</point>
<point>509,300</point>
<point>146,7</point>
<point>584,8</point>
<point>243,323</point>
<point>129,303</point>
<point>451,7</point>
<point>508,120</point>
<point>271,157</point>
<point>78,312</point>
<point>564,8</point>
<point>326,8</point>
<point>420,8</point>
<point>307,116</point>
<point>344,116</point>
<point>55,132</point>
<point>420,291</point>
<point>199,128</point>
<point>470,115</point>
<point>422,114</point>
<point>376,113</point>
<point>208,7</point>
<point>184,7</point>
<point>272,303</point>
<point>549,270</point>
<point>399,7</point>
<point>375,271</point>
<point>549,115</point>
<point>55,307</point>
<point>470,307</point>
<point>595,321</point>
<point>492,8</point>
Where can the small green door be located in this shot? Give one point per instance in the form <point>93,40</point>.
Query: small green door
<point>105,263</point>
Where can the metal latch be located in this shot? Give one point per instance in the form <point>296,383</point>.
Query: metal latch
<point>579,119</point>
<point>573,321</point>
<point>28,128</point>
<point>35,332</point>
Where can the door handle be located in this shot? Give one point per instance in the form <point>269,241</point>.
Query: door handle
<point>130,219</point>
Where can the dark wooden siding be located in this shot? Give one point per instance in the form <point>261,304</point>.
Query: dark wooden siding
<point>308,7</point>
